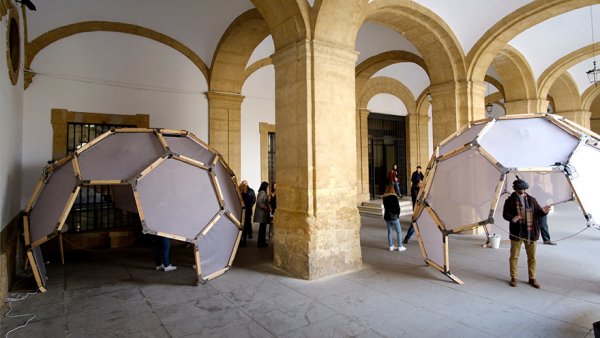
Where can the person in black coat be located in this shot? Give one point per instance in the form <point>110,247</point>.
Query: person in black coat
<point>391,215</point>
<point>249,199</point>
<point>523,213</point>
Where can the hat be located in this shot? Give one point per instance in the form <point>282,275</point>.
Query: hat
<point>519,184</point>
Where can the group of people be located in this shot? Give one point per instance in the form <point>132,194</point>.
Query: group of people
<point>266,203</point>
<point>527,221</point>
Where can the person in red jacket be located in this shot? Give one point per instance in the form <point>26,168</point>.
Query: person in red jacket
<point>393,179</point>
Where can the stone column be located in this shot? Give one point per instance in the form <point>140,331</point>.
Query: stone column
<point>317,219</point>
<point>525,106</point>
<point>580,117</point>
<point>362,158</point>
<point>454,105</point>
<point>418,135</point>
<point>224,114</point>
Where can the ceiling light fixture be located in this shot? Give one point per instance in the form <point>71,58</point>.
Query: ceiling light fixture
<point>489,106</point>
<point>594,73</point>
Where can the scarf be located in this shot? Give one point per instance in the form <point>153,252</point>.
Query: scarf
<point>526,213</point>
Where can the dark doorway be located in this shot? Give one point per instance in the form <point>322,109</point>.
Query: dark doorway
<point>387,145</point>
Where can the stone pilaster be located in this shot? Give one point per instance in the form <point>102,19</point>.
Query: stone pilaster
<point>525,106</point>
<point>317,219</point>
<point>224,114</point>
<point>418,145</point>
<point>362,158</point>
<point>580,117</point>
<point>454,105</point>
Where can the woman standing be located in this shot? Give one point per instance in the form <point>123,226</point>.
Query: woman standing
<point>391,215</point>
<point>273,205</point>
<point>262,214</point>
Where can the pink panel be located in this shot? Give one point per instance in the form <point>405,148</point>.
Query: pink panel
<point>121,156</point>
<point>45,214</point>
<point>463,188</point>
<point>178,198</point>
<point>187,147</point>
<point>217,246</point>
<point>432,238</point>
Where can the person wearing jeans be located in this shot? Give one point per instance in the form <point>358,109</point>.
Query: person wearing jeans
<point>162,254</point>
<point>391,215</point>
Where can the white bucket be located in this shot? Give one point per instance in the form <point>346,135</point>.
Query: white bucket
<point>494,241</point>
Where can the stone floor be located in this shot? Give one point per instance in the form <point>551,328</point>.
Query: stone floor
<point>393,295</point>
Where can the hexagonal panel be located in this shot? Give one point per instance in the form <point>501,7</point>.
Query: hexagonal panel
<point>540,143</point>
<point>462,189</point>
<point>177,198</point>
<point>585,179</point>
<point>120,156</point>
<point>54,196</point>
<point>548,188</point>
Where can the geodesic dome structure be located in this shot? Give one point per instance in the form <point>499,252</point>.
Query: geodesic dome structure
<point>470,176</point>
<point>180,188</point>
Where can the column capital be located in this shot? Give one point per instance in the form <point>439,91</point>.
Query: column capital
<point>319,49</point>
<point>213,95</point>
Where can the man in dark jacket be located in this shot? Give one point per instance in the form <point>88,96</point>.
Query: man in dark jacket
<point>249,198</point>
<point>523,212</point>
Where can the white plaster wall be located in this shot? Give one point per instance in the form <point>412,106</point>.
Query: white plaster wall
<point>11,107</point>
<point>198,24</point>
<point>258,106</point>
<point>410,74</point>
<point>387,104</point>
<point>113,73</point>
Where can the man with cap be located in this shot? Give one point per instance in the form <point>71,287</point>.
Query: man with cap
<point>523,213</point>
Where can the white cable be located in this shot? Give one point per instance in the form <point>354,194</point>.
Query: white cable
<point>15,297</point>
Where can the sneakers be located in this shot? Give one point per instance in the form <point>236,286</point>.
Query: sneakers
<point>405,241</point>
<point>392,248</point>
<point>401,248</point>
<point>171,267</point>
<point>549,243</point>
<point>513,282</point>
<point>160,267</point>
<point>534,283</point>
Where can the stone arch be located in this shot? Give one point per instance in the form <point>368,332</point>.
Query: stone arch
<point>375,63</point>
<point>227,77</point>
<point>234,50</point>
<point>565,94</point>
<point>288,21</point>
<point>388,85</point>
<point>518,81</point>
<point>591,102</point>
<point>516,74</point>
<point>256,66</point>
<point>494,82</point>
<point>44,40</point>
<point>433,38</point>
<point>485,49</point>
<point>494,98</point>
<point>554,71</point>
<point>338,21</point>
<point>589,96</point>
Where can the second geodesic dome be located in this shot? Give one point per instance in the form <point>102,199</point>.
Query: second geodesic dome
<point>470,175</point>
<point>180,187</point>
